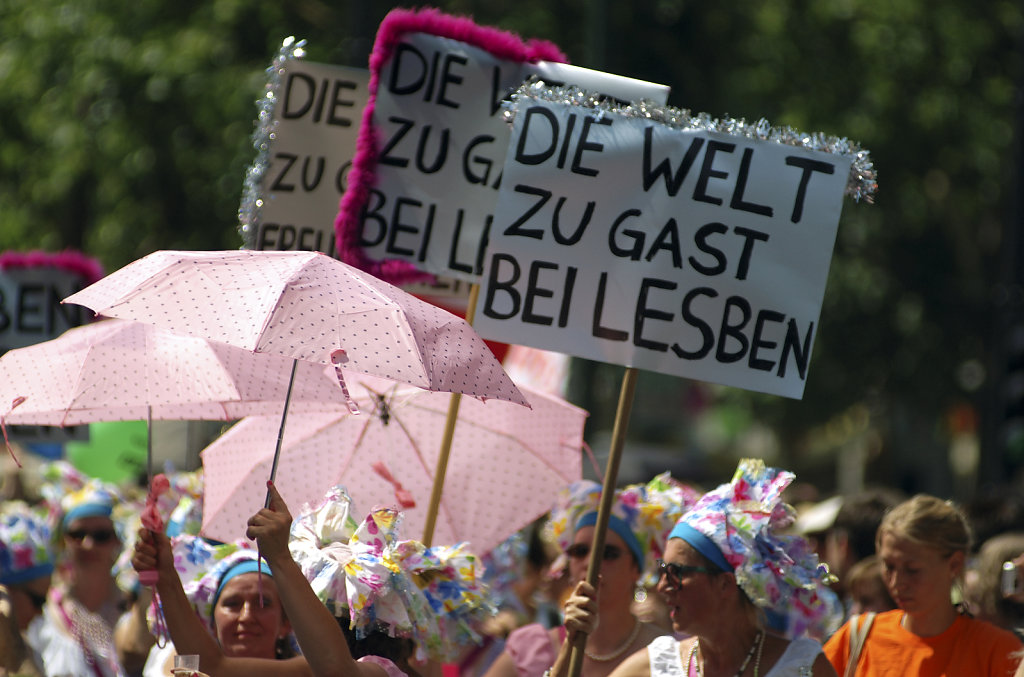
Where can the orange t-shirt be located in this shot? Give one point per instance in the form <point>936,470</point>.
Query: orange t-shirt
<point>968,648</point>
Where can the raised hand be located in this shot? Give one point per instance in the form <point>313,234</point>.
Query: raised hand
<point>153,552</point>
<point>270,527</point>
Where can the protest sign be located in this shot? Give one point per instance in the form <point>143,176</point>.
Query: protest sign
<point>436,142</point>
<point>306,138</point>
<point>32,285</point>
<point>679,248</point>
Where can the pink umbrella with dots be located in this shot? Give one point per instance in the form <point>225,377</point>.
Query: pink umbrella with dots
<point>306,306</point>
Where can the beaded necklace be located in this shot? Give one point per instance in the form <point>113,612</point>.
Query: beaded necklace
<point>756,647</point>
<point>604,658</point>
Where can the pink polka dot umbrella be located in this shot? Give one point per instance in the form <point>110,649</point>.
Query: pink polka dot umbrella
<point>120,370</point>
<point>307,306</point>
<point>506,466</point>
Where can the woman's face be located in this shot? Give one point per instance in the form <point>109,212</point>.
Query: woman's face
<point>92,542</point>
<point>245,628</point>
<point>619,571</point>
<point>690,597</point>
<point>918,577</point>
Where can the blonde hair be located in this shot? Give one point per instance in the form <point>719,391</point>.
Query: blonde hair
<point>928,521</point>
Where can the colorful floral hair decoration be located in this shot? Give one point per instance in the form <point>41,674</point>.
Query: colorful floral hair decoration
<point>642,515</point>
<point>432,595</point>
<point>203,568</point>
<point>24,545</point>
<point>96,499</point>
<point>780,573</point>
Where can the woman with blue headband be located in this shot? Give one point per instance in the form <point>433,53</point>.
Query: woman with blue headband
<point>85,603</point>
<point>745,594</point>
<point>26,565</point>
<point>228,610</point>
<point>363,572</point>
<point>640,519</point>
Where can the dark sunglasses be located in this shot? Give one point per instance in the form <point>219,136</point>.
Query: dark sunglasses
<point>582,551</point>
<point>676,572</point>
<point>98,535</point>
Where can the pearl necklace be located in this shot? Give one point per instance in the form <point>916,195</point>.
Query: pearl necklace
<point>758,645</point>
<point>604,658</point>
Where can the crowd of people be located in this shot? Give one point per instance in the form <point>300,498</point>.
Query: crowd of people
<point>731,581</point>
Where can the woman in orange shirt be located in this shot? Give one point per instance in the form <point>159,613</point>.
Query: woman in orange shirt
<point>923,544</point>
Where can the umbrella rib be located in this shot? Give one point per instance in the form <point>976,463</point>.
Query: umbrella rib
<point>442,507</point>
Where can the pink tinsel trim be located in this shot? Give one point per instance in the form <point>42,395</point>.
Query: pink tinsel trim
<point>362,175</point>
<point>69,260</point>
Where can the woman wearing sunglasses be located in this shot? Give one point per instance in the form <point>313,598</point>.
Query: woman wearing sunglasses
<point>640,519</point>
<point>85,603</point>
<point>746,596</point>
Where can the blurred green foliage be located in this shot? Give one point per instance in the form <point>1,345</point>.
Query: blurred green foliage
<point>125,128</point>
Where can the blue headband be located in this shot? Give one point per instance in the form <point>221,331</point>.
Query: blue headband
<point>29,574</point>
<point>619,526</point>
<point>248,566</point>
<point>88,510</point>
<point>701,544</point>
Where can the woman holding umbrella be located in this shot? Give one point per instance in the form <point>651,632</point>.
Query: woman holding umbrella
<point>229,609</point>
<point>384,592</point>
<point>641,517</point>
<point>745,594</point>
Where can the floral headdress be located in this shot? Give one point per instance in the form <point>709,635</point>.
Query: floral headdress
<point>58,479</point>
<point>642,515</point>
<point>433,595</point>
<point>204,568</point>
<point>738,527</point>
<point>94,498</point>
<point>24,544</point>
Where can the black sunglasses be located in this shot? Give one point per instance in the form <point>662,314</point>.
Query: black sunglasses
<point>582,550</point>
<point>676,572</point>
<point>97,535</point>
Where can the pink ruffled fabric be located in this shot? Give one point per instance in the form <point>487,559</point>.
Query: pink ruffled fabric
<point>70,260</point>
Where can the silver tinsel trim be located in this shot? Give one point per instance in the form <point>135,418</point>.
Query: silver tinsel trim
<point>262,136</point>
<point>862,183</point>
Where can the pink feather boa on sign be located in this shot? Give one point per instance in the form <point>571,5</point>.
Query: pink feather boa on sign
<point>69,260</point>
<point>361,178</point>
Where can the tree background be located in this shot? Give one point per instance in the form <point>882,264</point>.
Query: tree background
<point>126,128</point>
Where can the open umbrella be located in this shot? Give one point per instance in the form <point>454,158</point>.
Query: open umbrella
<point>506,464</point>
<point>307,306</point>
<point>119,370</point>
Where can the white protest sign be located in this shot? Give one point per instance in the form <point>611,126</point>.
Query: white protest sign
<point>681,251</point>
<point>316,123</point>
<point>30,305</point>
<point>442,142</point>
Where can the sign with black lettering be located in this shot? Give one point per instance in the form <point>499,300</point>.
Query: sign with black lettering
<point>437,143</point>
<point>315,125</point>
<point>30,300</point>
<point>670,247</point>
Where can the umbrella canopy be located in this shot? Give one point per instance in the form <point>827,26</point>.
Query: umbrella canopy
<point>308,306</point>
<point>506,465</point>
<point>119,370</point>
